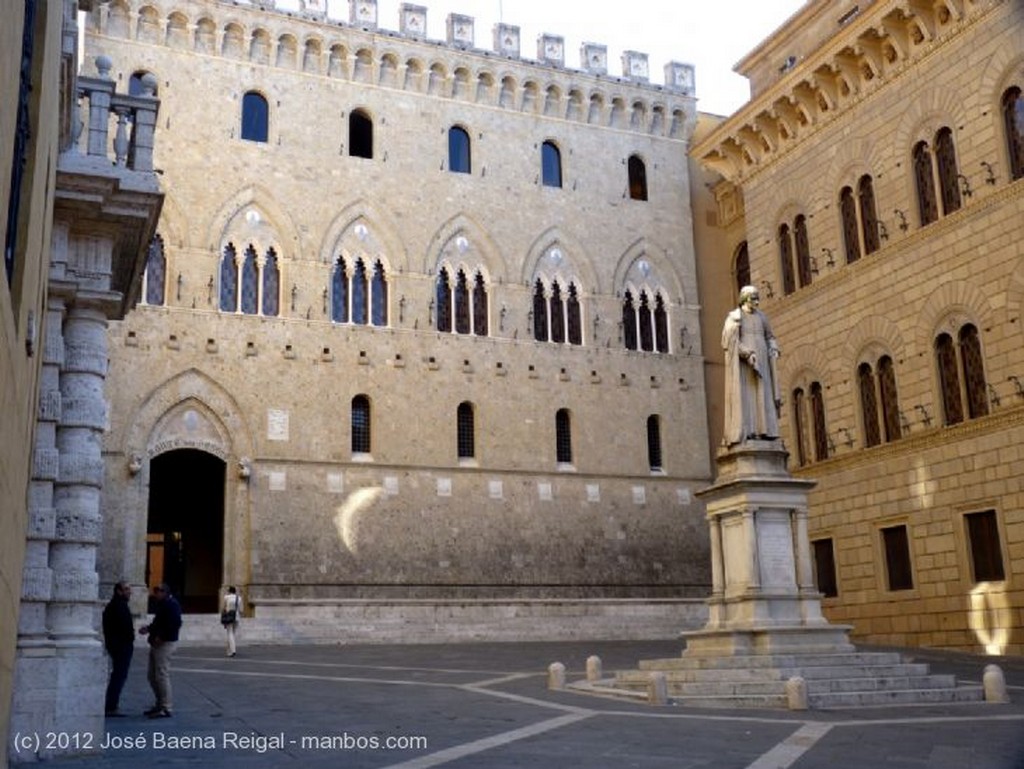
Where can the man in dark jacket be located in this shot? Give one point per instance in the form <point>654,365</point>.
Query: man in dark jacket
<point>163,640</point>
<point>119,640</point>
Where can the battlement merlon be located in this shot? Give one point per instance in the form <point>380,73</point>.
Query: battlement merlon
<point>506,40</point>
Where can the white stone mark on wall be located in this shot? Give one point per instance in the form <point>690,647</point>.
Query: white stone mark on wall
<point>593,492</point>
<point>544,492</point>
<point>683,494</point>
<point>335,483</point>
<point>444,487</point>
<point>391,485</point>
<point>640,495</point>
<point>277,480</point>
<point>496,490</point>
<point>277,425</point>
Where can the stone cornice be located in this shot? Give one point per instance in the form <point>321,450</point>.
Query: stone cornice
<point>999,420</point>
<point>874,51</point>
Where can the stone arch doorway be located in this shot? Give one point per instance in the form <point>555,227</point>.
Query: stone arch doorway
<point>185,526</point>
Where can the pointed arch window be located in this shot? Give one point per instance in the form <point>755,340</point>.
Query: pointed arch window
<point>250,282</point>
<point>462,322</point>
<point>573,319</point>
<point>974,392</point>
<point>361,425</point>
<point>459,156</point>
<point>271,299</point>
<point>540,313</point>
<point>927,203</point>
<point>443,300</point>
<point>654,443</point>
<point>974,372</point>
<point>557,314</point>
<point>1013,123</point>
<point>742,267</point>
<point>379,295</point>
<point>644,320</point>
<point>480,325</point>
<point>848,216</point>
<point>660,324</point>
<point>868,217</point>
<point>156,272</point>
<point>466,431</point>
<point>563,437</point>
<point>786,257</point>
<point>949,379</point>
<point>551,164</point>
<point>255,117</point>
<point>229,280</point>
<point>339,292</point>
<point>360,134</point>
<point>949,176</point>
<point>803,250</point>
<point>629,322</point>
<point>360,297</point>
<point>637,178</point>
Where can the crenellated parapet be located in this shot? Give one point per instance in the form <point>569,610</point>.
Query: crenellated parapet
<point>357,50</point>
<point>872,48</point>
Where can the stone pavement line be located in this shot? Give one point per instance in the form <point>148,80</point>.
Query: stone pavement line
<point>487,743</point>
<point>300,664</point>
<point>787,752</point>
<point>302,677</point>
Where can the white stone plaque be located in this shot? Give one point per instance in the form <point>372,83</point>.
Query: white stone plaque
<point>277,425</point>
<point>391,485</point>
<point>683,495</point>
<point>593,492</point>
<point>544,492</point>
<point>639,495</point>
<point>496,490</point>
<point>335,483</point>
<point>277,480</point>
<point>775,551</point>
<point>444,487</point>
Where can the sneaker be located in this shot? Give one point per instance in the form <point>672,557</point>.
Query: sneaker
<point>159,713</point>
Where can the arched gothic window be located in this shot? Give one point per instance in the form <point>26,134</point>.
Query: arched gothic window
<point>949,175</point>
<point>557,314</point>
<point>629,322</point>
<point>949,379</point>
<point>821,442</point>
<point>1013,124</point>
<point>637,178</point>
<point>356,296</point>
<point>229,280</point>
<point>156,272</point>
<point>271,299</point>
<point>361,425</point>
<point>459,157</point>
<point>660,325</point>
<point>573,319</point>
<point>255,117</point>
<point>465,431</point>
<point>889,399</point>
<point>848,215</point>
<point>868,217</point>
<point>379,295</point>
<point>551,164</point>
<point>563,437</point>
<point>800,426</point>
<point>461,307</point>
<point>250,283</point>
<point>868,405</point>
<point>540,313</point>
<point>974,372</point>
<point>360,134</point>
<point>646,328</point>
<point>339,292</point>
<point>360,294</point>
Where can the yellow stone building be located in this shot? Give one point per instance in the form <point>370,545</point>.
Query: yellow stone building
<point>872,189</point>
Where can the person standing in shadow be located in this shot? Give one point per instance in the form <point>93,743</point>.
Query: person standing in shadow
<point>163,640</point>
<point>230,611</point>
<point>119,641</point>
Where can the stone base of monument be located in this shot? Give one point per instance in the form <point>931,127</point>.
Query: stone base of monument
<point>765,627</point>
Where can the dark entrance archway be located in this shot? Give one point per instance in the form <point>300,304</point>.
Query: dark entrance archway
<point>185,530</point>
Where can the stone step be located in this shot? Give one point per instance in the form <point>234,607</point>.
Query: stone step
<point>754,661</point>
<point>778,687</point>
<point>810,673</point>
<point>833,700</point>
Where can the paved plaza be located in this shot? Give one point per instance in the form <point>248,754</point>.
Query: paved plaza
<point>463,706</point>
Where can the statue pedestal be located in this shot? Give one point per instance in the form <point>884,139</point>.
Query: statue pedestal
<point>763,599</point>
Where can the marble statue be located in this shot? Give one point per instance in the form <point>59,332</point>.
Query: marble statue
<point>752,398</point>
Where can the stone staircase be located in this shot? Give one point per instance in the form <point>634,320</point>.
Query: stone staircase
<point>834,680</point>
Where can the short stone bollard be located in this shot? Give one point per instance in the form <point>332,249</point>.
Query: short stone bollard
<point>556,675</point>
<point>657,689</point>
<point>995,684</point>
<point>796,693</point>
<point>594,668</point>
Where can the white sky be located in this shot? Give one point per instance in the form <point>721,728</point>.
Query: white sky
<point>712,35</point>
